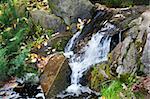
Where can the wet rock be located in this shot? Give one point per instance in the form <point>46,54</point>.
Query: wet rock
<point>92,27</point>
<point>70,10</point>
<point>116,52</point>
<point>59,41</point>
<point>126,16</point>
<point>51,71</point>
<point>61,82</point>
<point>48,21</point>
<point>127,53</point>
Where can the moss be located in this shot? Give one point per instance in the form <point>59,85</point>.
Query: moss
<point>110,58</point>
<point>98,76</point>
<point>53,6</point>
<point>60,44</point>
<point>139,46</point>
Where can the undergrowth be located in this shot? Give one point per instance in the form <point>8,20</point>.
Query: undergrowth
<point>17,37</point>
<point>120,88</point>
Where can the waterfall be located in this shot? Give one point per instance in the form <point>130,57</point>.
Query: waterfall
<point>94,52</point>
<point>69,45</point>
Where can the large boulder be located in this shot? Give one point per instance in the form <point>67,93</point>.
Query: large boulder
<point>70,10</point>
<point>133,46</point>
<point>48,21</point>
<point>51,71</point>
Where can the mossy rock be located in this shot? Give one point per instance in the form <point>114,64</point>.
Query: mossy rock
<point>100,74</point>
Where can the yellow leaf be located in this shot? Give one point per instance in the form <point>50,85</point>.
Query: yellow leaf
<point>8,29</point>
<point>38,46</point>
<point>0,12</point>
<point>103,97</point>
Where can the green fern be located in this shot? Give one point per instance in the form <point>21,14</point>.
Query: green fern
<point>19,67</point>
<point>3,65</point>
<point>14,30</point>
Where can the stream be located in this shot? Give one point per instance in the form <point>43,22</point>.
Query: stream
<point>95,51</point>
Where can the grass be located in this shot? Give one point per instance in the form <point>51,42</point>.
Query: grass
<point>120,88</point>
<point>112,91</point>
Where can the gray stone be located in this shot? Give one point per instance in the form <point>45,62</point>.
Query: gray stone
<point>145,27</point>
<point>146,55</point>
<point>130,60</point>
<point>125,46</point>
<point>70,10</point>
<point>48,21</point>
<point>127,62</point>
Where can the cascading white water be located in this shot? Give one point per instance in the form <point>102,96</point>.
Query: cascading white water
<point>94,52</point>
<point>68,51</point>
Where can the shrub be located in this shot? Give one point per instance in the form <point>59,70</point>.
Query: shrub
<point>13,31</point>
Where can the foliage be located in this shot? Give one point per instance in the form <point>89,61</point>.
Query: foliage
<point>19,67</point>
<point>113,87</point>
<point>60,44</point>
<point>100,74</point>
<point>18,35</point>
<point>3,64</point>
<point>112,91</point>
<point>14,29</point>
<point>120,88</point>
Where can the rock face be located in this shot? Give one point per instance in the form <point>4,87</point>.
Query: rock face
<point>132,46</point>
<point>146,53</point>
<point>70,10</point>
<point>48,21</point>
<point>132,54</point>
<point>51,71</point>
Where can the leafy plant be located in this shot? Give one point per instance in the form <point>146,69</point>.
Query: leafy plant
<point>112,91</point>
<point>120,88</point>
<point>13,33</point>
<point>3,64</point>
<point>18,65</point>
<point>18,35</point>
